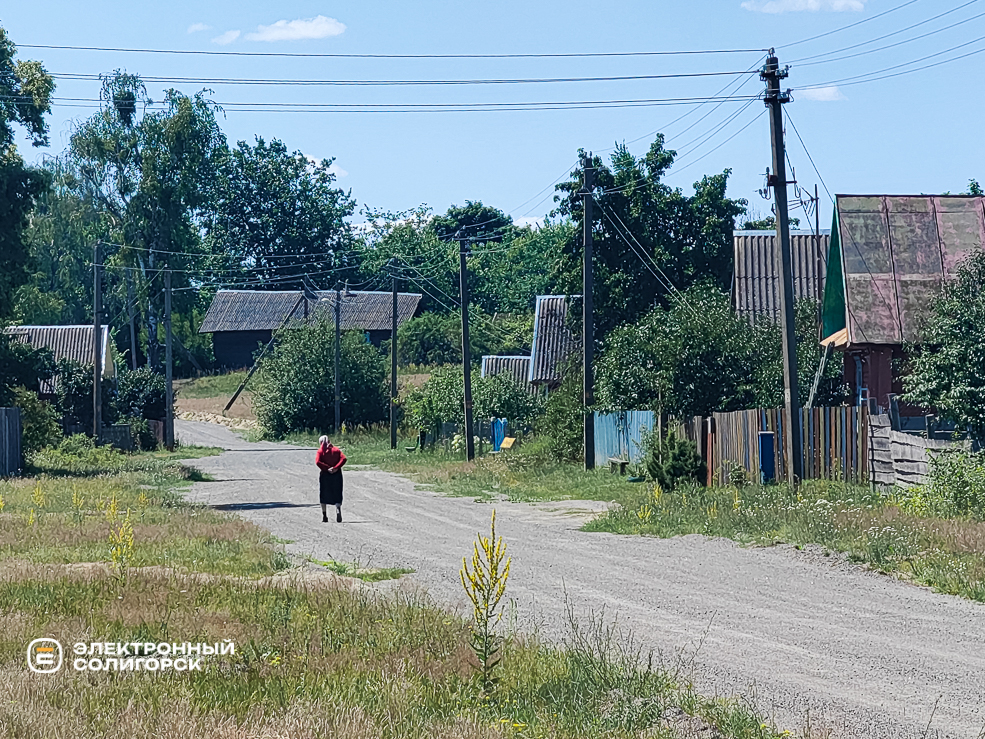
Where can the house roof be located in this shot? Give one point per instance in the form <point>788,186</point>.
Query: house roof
<point>516,368</point>
<point>553,340</point>
<point>264,310</point>
<point>67,342</point>
<point>888,259</point>
<point>755,278</point>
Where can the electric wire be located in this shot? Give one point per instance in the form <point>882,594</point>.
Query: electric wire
<point>850,25</point>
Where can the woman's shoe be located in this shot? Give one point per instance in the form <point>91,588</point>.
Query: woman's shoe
<point>324,518</point>
<point>338,517</point>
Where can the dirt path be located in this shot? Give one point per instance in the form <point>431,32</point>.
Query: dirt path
<point>864,655</point>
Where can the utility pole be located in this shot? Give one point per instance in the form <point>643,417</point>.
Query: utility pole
<point>133,326</point>
<point>338,361</point>
<point>168,369</point>
<point>463,276</point>
<point>774,99</point>
<point>97,349</point>
<point>588,316</point>
<point>393,369</point>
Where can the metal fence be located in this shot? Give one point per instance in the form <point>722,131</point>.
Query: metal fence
<point>620,435</point>
<point>10,441</point>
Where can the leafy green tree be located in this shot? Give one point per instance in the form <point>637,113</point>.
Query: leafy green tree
<point>277,216</point>
<point>435,339</point>
<point>141,393</point>
<point>21,366</point>
<point>974,188</point>
<point>73,396</point>
<point>766,223</point>
<point>648,236</point>
<point>948,369</point>
<point>25,100</point>
<point>473,224</point>
<point>563,421</point>
<point>296,382</point>
<point>39,421</point>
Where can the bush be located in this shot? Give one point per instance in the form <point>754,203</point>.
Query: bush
<point>78,455</point>
<point>39,421</point>
<point>563,421</point>
<point>141,393</point>
<point>73,392</point>
<point>956,487</point>
<point>671,460</point>
<point>295,389</point>
<point>143,437</point>
<point>435,339</point>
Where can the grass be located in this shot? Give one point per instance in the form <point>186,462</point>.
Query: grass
<point>211,386</point>
<point>317,655</point>
<point>523,474</point>
<point>869,527</point>
<point>360,571</point>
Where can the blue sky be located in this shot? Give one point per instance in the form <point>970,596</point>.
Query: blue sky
<point>913,133</point>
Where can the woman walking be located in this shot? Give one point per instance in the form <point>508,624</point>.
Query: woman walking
<point>330,460</point>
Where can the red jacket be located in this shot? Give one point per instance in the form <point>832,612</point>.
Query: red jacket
<point>330,458</point>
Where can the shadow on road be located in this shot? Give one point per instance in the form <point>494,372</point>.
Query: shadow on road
<point>258,506</point>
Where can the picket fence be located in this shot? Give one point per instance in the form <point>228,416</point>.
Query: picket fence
<point>10,441</point>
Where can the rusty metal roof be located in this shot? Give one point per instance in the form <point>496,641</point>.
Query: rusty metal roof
<point>515,367</point>
<point>260,310</point>
<point>755,277</point>
<point>889,258</point>
<point>67,342</point>
<point>553,340</point>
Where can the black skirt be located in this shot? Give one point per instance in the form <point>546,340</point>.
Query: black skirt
<point>330,487</point>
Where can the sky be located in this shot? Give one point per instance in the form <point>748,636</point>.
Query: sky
<point>867,130</point>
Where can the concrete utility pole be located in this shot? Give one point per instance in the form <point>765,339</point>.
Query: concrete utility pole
<point>393,369</point>
<point>338,357</point>
<point>132,318</point>
<point>168,368</point>
<point>772,74</point>
<point>588,316</point>
<point>97,349</point>
<point>463,278</point>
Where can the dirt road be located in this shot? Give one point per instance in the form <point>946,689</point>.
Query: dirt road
<point>799,633</point>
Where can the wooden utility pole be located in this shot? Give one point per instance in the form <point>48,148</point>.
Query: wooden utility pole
<point>772,74</point>
<point>338,361</point>
<point>393,369</point>
<point>132,318</point>
<point>463,278</point>
<point>168,369</point>
<point>588,316</point>
<point>97,349</point>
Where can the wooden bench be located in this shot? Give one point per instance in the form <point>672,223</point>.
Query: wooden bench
<point>617,465</point>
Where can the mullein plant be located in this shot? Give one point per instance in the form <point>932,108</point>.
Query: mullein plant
<point>484,580</point>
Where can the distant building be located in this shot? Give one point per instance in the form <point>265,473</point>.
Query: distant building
<point>553,342</point>
<point>74,343</point>
<point>515,367</point>
<point>888,258</point>
<point>755,277</point>
<point>242,320</point>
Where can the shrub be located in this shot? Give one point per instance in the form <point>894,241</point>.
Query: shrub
<point>671,460</point>
<point>39,421</point>
<point>956,487</point>
<point>143,437</point>
<point>141,393</point>
<point>435,339</point>
<point>73,392</point>
<point>563,420</point>
<point>296,384</point>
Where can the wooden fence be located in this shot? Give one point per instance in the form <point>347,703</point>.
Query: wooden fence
<point>10,441</point>
<point>901,459</point>
<point>835,442</point>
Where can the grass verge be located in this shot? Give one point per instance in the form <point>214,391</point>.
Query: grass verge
<point>210,386</point>
<point>870,527</point>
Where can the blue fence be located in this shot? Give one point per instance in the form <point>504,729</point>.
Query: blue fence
<point>620,434</point>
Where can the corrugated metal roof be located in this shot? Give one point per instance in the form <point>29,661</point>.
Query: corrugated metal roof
<point>67,342</point>
<point>895,252</point>
<point>259,310</point>
<point>516,368</point>
<point>553,340</point>
<point>755,280</point>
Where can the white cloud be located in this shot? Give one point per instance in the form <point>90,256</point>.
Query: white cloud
<point>532,222</point>
<point>338,171</point>
<point>296,30</point>
<point>821,94</point>
<point>786,6</point>
<point>196,27</point>
<point>226,38</point>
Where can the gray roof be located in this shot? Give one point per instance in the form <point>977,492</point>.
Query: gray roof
<point>755,277</point>
<point>264,310</point>
<point>516,368</point>
<point>67,342</point>
<point>553,340</point>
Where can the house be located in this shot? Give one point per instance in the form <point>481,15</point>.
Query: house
<point>68,342</point>
<point>755,276</point>
<point>242,320</point>
<point>888,258</point>
<point>553,341</point>
<point>515,367</point>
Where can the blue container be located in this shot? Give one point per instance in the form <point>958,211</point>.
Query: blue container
<point>767,457</point>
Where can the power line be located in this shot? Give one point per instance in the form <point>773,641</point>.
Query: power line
<point>850,25</point>
<point>808,153</point>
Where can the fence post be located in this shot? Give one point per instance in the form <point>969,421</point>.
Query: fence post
<point>767,458</point>
<point>710,457</point>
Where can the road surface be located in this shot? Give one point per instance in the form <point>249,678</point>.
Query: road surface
<point>798,633</point>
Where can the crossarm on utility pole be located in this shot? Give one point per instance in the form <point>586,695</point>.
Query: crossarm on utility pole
<point>256,363</point>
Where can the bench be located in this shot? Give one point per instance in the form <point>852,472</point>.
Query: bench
<point>617,465</point>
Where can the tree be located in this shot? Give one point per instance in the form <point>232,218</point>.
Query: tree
<point>650,240</point>
<point>21,365</point>
<point>276,217</point>
<point>766,223</point>
<point>435,338</point>
<point>150,171</point>
<point>295,389</point>
<point>948,370</point>
<point>974,188</point>
<point>473,223</point>
<point>25,100</point>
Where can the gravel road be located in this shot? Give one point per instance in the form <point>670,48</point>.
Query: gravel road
<point>804,636</point>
